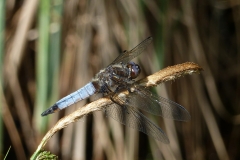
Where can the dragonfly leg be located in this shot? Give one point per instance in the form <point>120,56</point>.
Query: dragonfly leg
<point>119,102</point>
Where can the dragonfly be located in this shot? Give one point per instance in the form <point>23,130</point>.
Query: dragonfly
<point>126,107</point>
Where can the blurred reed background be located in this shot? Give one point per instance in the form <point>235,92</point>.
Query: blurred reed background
<point>49,49</point>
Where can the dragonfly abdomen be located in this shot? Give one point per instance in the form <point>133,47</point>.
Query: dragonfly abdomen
<point>72,98</point>
<point>76,96</point>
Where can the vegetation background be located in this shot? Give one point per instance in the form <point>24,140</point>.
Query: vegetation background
<point>49,49</point>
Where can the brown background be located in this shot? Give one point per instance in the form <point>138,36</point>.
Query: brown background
<point>52,48</point>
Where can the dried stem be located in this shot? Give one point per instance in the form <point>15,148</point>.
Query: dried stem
<point>170,73</point>
<point>166,74</point>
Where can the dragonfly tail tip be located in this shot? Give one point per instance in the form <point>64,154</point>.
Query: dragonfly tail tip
<point>50,110</point>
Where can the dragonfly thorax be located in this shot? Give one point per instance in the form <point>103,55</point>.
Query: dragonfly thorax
<point>116,76</point>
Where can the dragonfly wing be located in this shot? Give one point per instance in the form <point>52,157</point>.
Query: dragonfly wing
<point>136,120</point>
<point>143,99</point>
<point>127,56</point>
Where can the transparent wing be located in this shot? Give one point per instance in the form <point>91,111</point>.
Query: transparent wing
<point>129,55</point>
<point>143,99</point>
<point>136,120</point>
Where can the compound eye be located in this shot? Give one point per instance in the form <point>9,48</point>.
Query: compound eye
<point>135,70</point>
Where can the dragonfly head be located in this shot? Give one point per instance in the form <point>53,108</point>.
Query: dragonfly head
<point>134,70</point>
